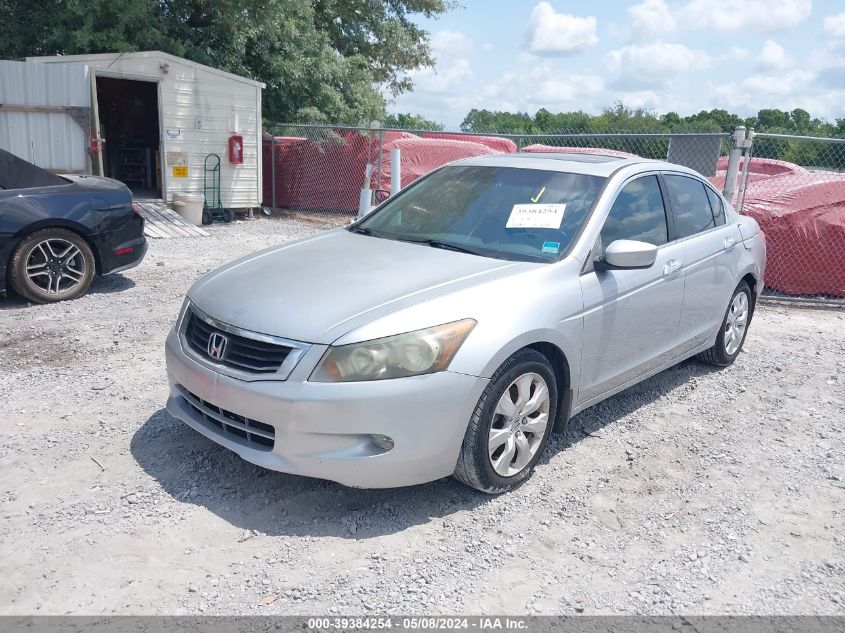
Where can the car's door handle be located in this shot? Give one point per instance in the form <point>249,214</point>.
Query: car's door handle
<point>729,243</point>
<point>671,267</point>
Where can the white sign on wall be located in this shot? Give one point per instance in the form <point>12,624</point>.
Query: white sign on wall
<point>177,158</point>
<point>234,122</point>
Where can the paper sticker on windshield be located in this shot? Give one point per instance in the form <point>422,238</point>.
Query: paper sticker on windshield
<point>536,216</point>
<point>551,247</point>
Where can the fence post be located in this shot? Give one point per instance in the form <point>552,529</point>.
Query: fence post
<point>519,142</point>
<point>365,200</point>
<point>395,171</point>
<point>737,141</point>
<point>743,183</point>
<point>273,170</point>
<point>380,148</point>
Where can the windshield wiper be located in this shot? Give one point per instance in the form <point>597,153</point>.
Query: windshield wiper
<point>446,246</point>
<point>363,231</point>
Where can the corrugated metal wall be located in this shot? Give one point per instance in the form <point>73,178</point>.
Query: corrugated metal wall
<point>195,103</point>
<point>190,93</point>
<point>52,140</point>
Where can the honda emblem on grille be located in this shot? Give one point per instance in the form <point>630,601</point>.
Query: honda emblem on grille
<point>217,344</point>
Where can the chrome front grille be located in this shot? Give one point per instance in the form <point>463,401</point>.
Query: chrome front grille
<point>256,434</point>
<point>245,352</point>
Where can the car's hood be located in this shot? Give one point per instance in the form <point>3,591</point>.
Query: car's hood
<point>320,288</point>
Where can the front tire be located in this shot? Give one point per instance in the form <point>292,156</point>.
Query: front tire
<point>52,265</point>
<point>510,426</point>
<point>734,328</point>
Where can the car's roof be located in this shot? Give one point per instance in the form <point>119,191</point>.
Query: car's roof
<point>596,164</point>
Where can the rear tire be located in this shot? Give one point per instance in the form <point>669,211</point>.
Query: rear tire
<point>734,328</point>
<point>52,265</point>
<point>510,426</point>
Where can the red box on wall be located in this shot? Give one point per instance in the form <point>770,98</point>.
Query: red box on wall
<point>236,149</point>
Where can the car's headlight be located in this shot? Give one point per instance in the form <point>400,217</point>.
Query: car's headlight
<point>421,352</point>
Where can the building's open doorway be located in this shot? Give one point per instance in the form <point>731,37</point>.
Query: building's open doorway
<point>129,123</point>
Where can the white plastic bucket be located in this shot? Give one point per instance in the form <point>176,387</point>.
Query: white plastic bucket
<point>189,206</point>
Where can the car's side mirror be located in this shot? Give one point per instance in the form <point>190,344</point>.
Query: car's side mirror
<point>627,254</point>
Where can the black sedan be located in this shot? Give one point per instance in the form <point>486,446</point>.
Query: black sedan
<point>57,232</point>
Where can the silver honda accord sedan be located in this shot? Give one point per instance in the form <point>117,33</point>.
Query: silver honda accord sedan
<point>452,329</point>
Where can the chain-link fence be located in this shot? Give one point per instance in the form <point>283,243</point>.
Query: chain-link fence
<point>795,189</point>
<point>320,168</point>
<point>793,186</point>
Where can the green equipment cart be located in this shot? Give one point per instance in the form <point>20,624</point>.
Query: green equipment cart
<point>212,208</point>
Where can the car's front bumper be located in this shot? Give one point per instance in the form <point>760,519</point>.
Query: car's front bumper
<point>323,430</point>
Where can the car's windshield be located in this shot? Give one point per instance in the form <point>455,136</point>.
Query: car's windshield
<point>503,212</point>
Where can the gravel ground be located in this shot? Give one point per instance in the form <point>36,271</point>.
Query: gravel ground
<point>698,491</point>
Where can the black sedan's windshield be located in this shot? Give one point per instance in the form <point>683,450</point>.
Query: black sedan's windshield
<point>504,212</point>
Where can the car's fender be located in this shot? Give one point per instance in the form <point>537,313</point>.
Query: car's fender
<point>541,305</point>
<point>9,247</point>
<point>752,260</point>
<point>561,339</point>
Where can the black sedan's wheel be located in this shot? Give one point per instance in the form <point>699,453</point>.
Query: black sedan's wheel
<point>52,265</point>
<point>510,425</point>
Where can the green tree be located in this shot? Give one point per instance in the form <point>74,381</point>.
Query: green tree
<point>478,120</point>
<point>323,60</point>
<point>382,33</point>
<point>801,121</point>
<point>670,119</point>
<point>410,122</point>
<point>716,120</point>
<point>502,122</point>
<point>548,123</point>
<point>621,118</point>
<point>773,119</point>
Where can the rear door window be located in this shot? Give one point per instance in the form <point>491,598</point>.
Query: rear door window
<point>717,206</point>
<point>690,205</point>
<point>637,214</point>
<point>16,173</point>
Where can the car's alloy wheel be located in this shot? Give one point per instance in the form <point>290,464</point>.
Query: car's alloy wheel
<point>52,265</point>
<point>56,266</point>
<point>736,322</point>
<point>510,425</point>
<point>519,424</point>
<point>734,327</point>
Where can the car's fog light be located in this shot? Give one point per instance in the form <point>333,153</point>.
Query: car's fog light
<point>384,442</point>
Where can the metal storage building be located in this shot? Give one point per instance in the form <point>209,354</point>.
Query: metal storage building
<point>148,118</point>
